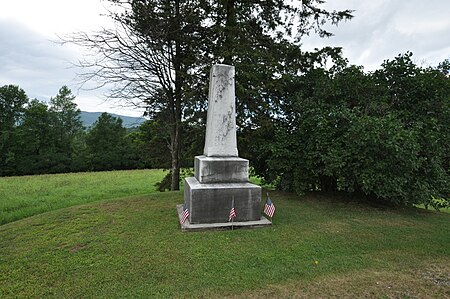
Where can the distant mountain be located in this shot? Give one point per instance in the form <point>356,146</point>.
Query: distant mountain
<point>88,119</point>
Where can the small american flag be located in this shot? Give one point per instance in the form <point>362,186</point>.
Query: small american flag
<point>185,214</point>
<point>232,213</point>
<point>269,208</point>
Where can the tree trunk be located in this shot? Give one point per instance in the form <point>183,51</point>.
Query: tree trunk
<point>230,25</point>
<point>175,169</point>
<point>176,139</point>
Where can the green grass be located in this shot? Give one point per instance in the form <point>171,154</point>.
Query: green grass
<point>133,247</point>
<point>445,210</point>
<point>25,196</point>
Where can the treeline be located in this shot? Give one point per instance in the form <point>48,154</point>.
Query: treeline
<point>384,134</point>
<point>38,138</point>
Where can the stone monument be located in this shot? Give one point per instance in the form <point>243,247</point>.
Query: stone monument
<point>221,177</point>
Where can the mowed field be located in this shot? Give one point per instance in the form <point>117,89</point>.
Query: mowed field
<point>111,235</point>
<point>25,196</point>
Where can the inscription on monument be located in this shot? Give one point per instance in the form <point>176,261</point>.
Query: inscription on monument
<point>220,138</point>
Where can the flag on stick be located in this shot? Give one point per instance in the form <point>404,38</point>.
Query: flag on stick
<point>185,214</point>
<point>269,207</point>
<point>232,212</point>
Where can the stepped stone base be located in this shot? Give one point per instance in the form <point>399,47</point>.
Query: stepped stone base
<point>211,203</point>
<point>187,226</point>
<point>220,169</point>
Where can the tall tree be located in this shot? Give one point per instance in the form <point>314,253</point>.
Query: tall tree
<point>263,40</point>
<point>35,140</point>
<point>160,53</point>
<point>12,101</point>
<point>153,140</point>
<point>68,129</point>
<point>50,138</point>
<point>147,57</point>
<point>105,143</point>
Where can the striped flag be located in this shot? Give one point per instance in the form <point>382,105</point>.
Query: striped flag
<point>269,207</point>
<point>185,214</point>
<point>232,213</point>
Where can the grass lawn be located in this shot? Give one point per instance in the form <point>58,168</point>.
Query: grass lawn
<point>319,246</point>
<point>445,210</point>
<point>25,196</point>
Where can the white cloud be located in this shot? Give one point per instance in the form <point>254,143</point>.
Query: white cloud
<point>383,29</point>
<point>31,59</point>
<point>50,17</point>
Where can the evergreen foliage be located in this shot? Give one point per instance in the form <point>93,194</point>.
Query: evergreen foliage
<point>12,102</point>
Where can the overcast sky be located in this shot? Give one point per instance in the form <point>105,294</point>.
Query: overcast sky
<point>381,29</point>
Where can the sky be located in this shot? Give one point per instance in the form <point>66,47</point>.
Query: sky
<point>31,59</point>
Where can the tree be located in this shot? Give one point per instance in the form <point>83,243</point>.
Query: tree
<point>105,142</point>
<point>46,139</point>
<point>147,60</point>
<point>381,134</point>
<point>153,141</point>
<point>160,53</point>
<point>12,101</point>
<point>68,130</point>
<point>263,40</point>
<point>35,140</point>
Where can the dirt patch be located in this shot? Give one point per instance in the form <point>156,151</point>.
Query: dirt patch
<point>77,248</point>
<point>131,203</point>
<point>433,283</point>
<point>437,275</point>
<point>333,226</point>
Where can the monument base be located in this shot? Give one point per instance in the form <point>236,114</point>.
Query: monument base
<point>211,203</point>
<point>187,226</point>
<point>221,169</point>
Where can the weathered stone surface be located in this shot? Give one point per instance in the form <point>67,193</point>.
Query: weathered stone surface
<point>220,169</point>
<point>220,140</point>
<point>211,203</point>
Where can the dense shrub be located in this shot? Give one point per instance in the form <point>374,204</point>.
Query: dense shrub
<point>383,134</point>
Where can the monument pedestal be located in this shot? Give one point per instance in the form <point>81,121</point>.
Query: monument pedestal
<point>211,203</point>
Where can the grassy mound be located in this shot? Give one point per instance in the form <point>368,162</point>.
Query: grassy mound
<point>25,196</point>
<point>317,247</point>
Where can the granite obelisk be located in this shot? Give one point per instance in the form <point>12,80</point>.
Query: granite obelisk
<point>220,174</point>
